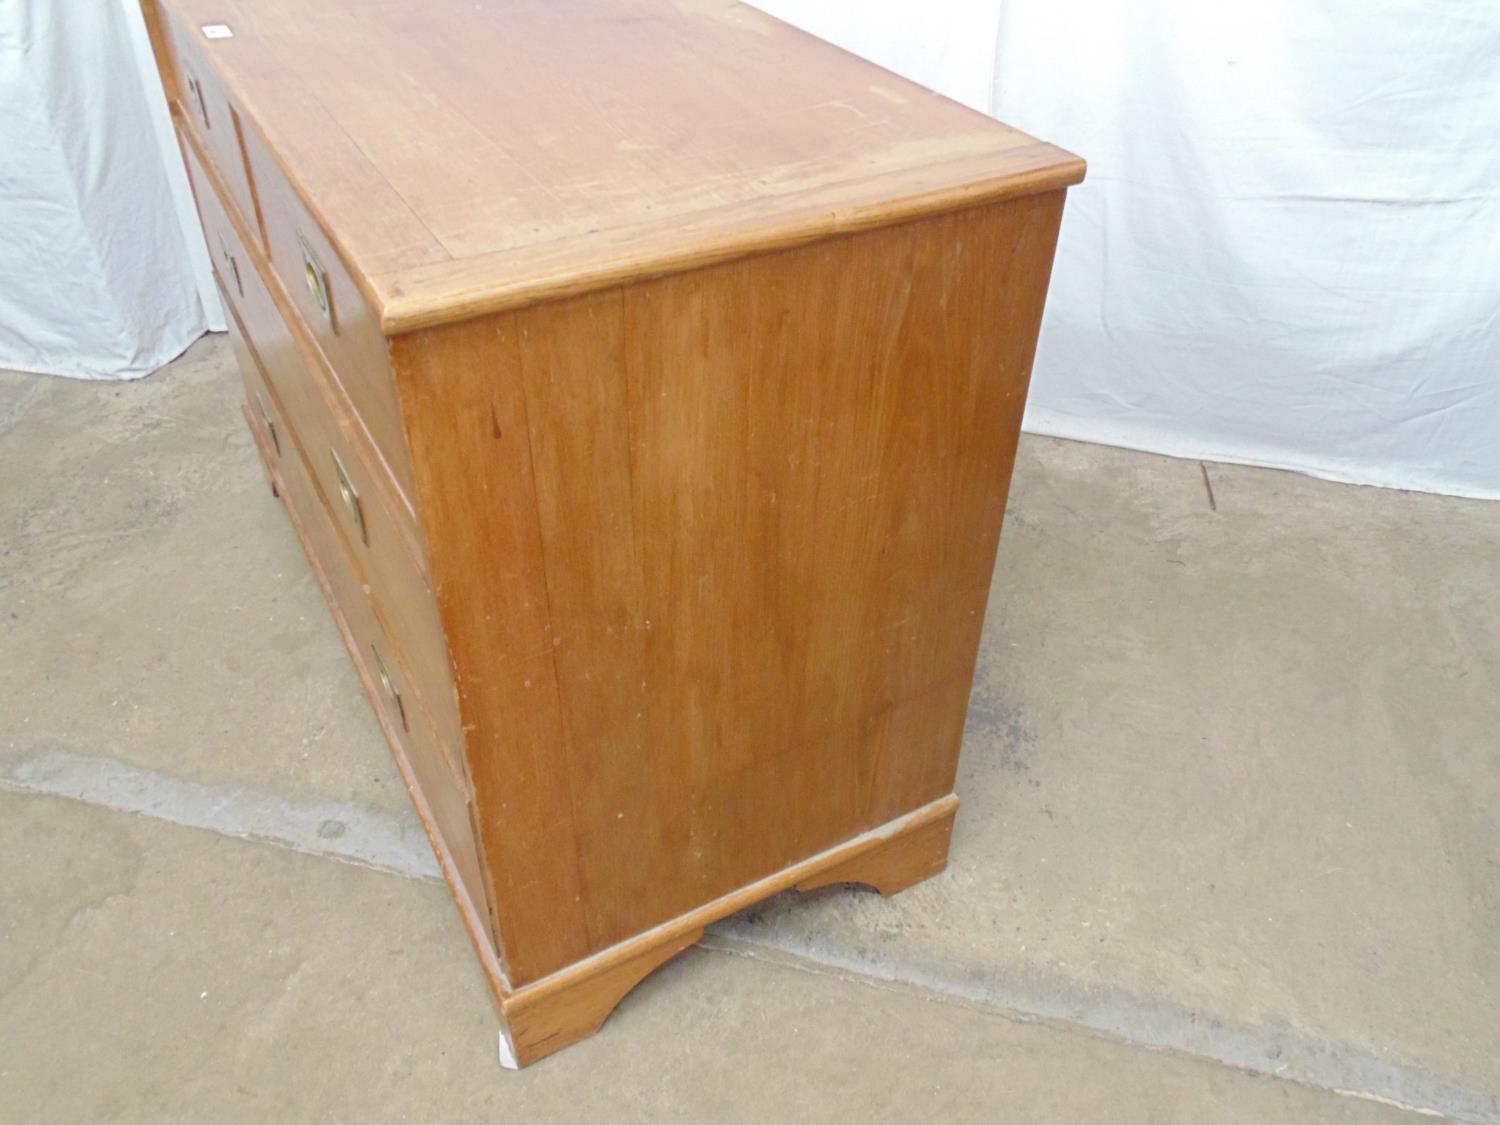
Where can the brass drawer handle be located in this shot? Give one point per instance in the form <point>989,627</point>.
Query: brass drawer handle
<point>234,265</point>
<point>196,88</point>
<point>317,282</point>
<point>270,423</point>
<point>389,687</point>
<point>351,497</point>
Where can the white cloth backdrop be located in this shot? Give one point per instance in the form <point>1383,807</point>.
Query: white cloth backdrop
<point>1287,251</point>
<point>102,275</point>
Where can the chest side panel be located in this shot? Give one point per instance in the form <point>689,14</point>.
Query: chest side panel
<point>713,551</point>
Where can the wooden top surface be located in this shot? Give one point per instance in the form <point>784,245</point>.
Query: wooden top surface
<point>472,155</point>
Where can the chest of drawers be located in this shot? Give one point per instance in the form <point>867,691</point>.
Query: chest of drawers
<point>643,379</point>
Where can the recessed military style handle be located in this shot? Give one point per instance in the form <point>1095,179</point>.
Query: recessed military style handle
<point>196,89</point>
<point>317,282</point>
<point>234,266</point>
<point>351,497</point>
<point>388,686</point>
<point>268,421</point>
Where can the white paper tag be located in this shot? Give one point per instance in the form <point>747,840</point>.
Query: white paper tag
<point>217,31</point>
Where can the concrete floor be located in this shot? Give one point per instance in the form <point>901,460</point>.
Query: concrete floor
<point>1227,850</point>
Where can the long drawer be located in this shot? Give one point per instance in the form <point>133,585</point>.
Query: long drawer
<point>380,538</point>
<point>403,716</point>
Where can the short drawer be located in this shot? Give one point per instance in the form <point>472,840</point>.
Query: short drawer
<point>357,495</point>
<point>401,710</point>
<point>208,110</point>
<point>333,309</point>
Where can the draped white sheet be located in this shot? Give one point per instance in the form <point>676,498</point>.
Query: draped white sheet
<point>98,278</point>
<point>1287,251</point>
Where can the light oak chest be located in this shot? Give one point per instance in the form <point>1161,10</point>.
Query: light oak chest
<point>643,379</point>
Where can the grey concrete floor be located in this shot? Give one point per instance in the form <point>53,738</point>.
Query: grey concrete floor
<point>1227,849</point>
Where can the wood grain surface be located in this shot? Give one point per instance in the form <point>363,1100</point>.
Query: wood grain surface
<point>712,555</point>
<point>654,455</point>
<point>471,156</point>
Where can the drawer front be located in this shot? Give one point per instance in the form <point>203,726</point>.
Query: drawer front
<point>385,676</point>
<point>260,411</point>
<point>333,309</point>
<point>354,492</point>
<point>207,109</point>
